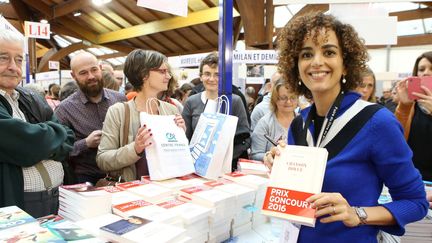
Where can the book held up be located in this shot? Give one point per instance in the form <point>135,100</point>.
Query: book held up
<point>297,174</point>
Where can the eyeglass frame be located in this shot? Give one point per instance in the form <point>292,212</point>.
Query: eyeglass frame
<point>208,75</point>
<point>9,59</point>
<point>163,71</point>
<point>286,98</point>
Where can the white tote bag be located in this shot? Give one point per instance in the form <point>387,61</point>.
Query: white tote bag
<point>168,156</point>
<point>212,143</point>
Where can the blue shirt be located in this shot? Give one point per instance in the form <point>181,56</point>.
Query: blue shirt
<point>377,155</point>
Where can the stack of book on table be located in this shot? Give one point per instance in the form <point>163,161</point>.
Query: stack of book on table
<point>18,226</point>
<point>173,184</point>
<point>259,185</point>
<point>243,196</point>
<point>195,218</point>
<point>132,229</point>
<point>221,204</point>
<point>146,210</point>
<point>67,230</point>
<point>252,167</point>
<point>148,191</point>
<point>81,201</point>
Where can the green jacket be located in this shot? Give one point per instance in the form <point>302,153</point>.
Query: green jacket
<point>24,144</point>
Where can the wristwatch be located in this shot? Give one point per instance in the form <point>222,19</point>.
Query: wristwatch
<point>361,213</point>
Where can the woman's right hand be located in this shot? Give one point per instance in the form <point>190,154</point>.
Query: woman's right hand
<point>402,91</point>
<point>269,155</point>
<point>142,139</point>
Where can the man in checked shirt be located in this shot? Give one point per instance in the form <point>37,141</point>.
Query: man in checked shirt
<point>84,112</point>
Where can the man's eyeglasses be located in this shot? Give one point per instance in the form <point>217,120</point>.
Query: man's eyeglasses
<point>286,98</point>
<point>6,59</point>
<point>163,71</point>
<point>209,75</point>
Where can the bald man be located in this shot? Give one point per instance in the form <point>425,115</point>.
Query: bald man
<point>84,112</point>
<point>264,106</point>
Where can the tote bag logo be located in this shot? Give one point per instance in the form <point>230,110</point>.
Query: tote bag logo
<point>171,137</point>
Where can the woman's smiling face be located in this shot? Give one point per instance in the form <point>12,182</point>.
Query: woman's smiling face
<point>320,62</point>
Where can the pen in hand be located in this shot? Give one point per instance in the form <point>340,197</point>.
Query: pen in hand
<point>270,140</point>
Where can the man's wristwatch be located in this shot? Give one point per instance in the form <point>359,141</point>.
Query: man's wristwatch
<point>361,213</point>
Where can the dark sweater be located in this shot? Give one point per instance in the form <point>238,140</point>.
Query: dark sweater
<point>420,142</point>
<point>24,144</point>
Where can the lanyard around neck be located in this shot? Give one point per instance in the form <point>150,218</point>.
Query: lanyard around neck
<point>328,122</point>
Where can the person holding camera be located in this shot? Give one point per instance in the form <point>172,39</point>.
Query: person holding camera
<point>322,58</point>
<point>416,118</point>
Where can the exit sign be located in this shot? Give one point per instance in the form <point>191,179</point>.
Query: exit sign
<point>37,30</point>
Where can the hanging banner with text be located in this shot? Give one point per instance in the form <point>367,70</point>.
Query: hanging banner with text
<point>246,57</point>
<point>54,65</point>
<point>4,24</point>
<point>37,30</point>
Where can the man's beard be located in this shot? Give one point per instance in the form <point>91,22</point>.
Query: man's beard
<point>91,91</point>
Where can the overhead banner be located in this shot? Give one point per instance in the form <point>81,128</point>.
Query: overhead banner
<point>4,24</point>
<point>177,7</point>
<point>241,57</point>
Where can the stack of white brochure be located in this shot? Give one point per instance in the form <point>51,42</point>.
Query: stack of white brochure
<point>195,217</point>
<point>81,201</point>
<point>259,184</point>
<point>147,191</point>
<point>221,203</point>
<point>173,184</point>
<point>147,210</point>
<point>244,196</point>
<point>120,196</point>
<point>193,179</point>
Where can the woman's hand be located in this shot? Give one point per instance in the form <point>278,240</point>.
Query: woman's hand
<point>142,139</point>
<point>336,207</point>
<point>269,155</point>
<point>429,198</point>
<point>179,121</point>
<point>425,99</point>
<point>402,91</point>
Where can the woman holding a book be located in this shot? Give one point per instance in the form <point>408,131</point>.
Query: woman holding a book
<point>322,58</point>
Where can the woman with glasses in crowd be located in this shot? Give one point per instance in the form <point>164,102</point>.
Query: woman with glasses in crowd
<point>274,124</point>
<point>147,71</point>
<point>322,58</point>
<point>416,118</point>
<point>367,86</point>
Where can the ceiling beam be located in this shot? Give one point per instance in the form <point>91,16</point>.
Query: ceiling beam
<point>82,32</point>
<point>22,12</point>
<point>57,56</point>
<point>199,17</point>
<point>112,55</point>
<point>252,14</point>
<point>412,40</point>
<point>421,13</point>
<point>41,7</point>
<point>69,7</point>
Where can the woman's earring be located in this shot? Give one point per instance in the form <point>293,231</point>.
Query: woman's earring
<point>299,83</point>
<point>343,80</point>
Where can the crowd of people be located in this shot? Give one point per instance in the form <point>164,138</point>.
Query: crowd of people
<point>90,128</point>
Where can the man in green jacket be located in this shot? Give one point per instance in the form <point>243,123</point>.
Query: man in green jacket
<point>29,131</point>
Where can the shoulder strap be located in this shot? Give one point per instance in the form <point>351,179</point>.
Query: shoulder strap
<point>298,131</point>
<point>350,130</point>
<point>126,124</point>
<point>44,174</point>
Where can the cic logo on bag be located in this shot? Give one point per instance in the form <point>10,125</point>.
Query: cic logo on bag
<point>171,137</point>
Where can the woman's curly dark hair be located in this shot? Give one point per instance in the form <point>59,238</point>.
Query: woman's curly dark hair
<point>292,37</point>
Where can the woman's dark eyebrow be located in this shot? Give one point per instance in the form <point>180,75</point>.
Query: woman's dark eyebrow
<point>327,46</point>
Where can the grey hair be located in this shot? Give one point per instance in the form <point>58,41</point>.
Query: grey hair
<point>10,36</point>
